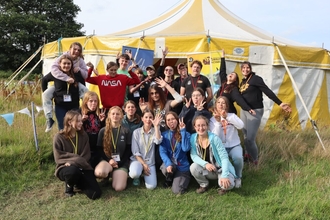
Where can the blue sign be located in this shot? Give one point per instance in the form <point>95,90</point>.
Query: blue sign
<point>142,57</point>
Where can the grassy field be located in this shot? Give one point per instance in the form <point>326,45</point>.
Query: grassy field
<point>291,182</point>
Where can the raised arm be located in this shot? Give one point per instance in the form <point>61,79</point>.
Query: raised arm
<point>176,96</point>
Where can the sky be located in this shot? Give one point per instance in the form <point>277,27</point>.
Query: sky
<point>304,21</point>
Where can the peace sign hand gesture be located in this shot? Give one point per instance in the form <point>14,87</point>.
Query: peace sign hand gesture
<point>181,123</point>
<point>188,102</point>
<point>102,114</point>
<point>165,52</point>
<point>200,107</point>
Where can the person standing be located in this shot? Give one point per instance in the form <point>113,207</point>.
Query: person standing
<point>80,74</point>
<point>196,80</point>
<point>112,85</point>
<point>252,87</point>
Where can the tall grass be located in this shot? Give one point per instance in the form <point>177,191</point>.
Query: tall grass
<point>291,181</point>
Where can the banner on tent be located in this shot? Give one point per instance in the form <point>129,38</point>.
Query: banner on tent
<point>143,57</point>
<point>211,67</point>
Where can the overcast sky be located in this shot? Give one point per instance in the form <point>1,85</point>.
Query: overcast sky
<point>303,21</point>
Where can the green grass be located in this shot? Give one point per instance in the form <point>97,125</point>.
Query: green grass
<point>291,182</point>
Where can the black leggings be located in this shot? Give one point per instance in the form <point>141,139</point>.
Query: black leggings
<point>85,179</point>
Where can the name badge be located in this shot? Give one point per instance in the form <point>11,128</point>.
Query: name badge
<point>116,157</point>
<point>67,98</point>
<point>173,159</point>
<point>136,94</point>
<point>199,81</point>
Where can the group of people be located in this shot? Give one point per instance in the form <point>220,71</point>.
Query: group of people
<point>151,122</point>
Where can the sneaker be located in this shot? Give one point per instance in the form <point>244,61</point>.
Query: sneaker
<point>68,190</point>
<point>222,192</point>
<point>50,122</point>
<point>238,183</point>
<point>201,190</point>
<point>136,182</point>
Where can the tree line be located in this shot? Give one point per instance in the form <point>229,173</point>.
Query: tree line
<point>25,24</point>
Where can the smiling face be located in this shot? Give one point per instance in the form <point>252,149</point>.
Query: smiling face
<point>76,122</point>
<point>116,115</point>
<point>147,119</point>
<point>154,95</point>
<point>221,104</point>
<point>196,69</point>
<point>92,103</point>
<point>130,109</point>
<point>197,97</point>
<point>75,51</point>
<point>183,72</point>
<point>168,71</point>
<point>112,70</point>
<point>246,69</point>
<point>201,126</point>
<point>123,62</point>
<point>65,65</point>
<point>171,122</point>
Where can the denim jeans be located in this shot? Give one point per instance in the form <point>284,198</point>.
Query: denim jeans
<point>136,169</point>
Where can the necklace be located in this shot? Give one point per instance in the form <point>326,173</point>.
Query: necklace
<point>245,85</point>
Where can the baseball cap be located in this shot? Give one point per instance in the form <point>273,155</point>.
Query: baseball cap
<point>180,65</point>
<point>151,67</point>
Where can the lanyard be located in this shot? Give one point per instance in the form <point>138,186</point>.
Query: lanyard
<point>173,146</point>
<point>75,146</point>
<point>223,90</point>
<point>115,142</point>
<point>192,82</point>
<point>146,146</point>
<point>68,87</point>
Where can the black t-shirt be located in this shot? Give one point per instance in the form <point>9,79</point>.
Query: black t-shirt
<point>190,83</point>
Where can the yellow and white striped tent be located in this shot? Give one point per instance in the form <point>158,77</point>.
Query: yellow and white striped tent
<point>206,26</point>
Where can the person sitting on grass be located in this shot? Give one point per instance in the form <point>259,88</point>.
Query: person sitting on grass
<point>72,153</point>
<point>116,142</point>
<point>210,158</point>
<point>144,141</point>
<point>173,151</point>
<point>225,125</point>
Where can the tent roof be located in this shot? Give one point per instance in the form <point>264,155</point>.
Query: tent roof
<point>202,17</point>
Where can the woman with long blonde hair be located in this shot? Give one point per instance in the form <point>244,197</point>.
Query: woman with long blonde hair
<point>116,142</point>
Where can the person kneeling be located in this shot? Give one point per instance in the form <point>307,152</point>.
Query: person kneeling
<point>72,153</point>
<point>210,159</point>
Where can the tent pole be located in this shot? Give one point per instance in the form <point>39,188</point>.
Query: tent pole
<point>299,95</point>
<point>13,90</point>
<point>23,66</point>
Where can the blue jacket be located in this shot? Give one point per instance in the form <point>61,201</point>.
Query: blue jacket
<point>180,152</point>
<point>219,152</point>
